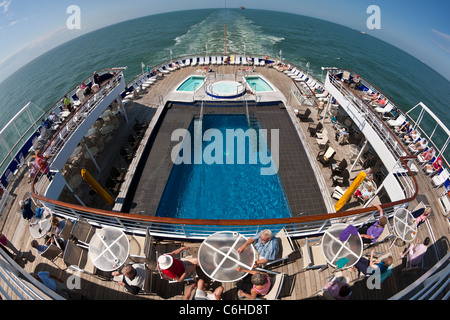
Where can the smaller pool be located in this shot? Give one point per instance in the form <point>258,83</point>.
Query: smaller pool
<point>259,84</point>
<point>191,84</point>
<point>226,89</point>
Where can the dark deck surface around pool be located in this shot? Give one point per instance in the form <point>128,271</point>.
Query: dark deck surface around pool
<point>297,177</point>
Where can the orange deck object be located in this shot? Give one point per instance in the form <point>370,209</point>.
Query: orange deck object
<point>97,187</point>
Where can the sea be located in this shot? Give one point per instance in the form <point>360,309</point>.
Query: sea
<point>301,40</point>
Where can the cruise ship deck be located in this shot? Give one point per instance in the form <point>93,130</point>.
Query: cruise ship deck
<point>296,172</point>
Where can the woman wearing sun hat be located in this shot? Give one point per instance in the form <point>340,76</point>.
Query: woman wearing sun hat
<point>175,268</point>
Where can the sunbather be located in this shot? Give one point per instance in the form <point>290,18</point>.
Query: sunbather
<point>412,136</point>
<point>403,128</point>
<point>426,155</point>
<point>420,145</point>
<point>435,166</point>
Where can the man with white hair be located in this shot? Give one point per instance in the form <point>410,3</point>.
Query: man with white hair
<point>266,245</point>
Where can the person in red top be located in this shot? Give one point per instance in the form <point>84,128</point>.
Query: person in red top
<point>41,160</point>
<point>175,268</point>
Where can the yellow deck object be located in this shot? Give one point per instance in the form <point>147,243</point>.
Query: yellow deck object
<point>97,187</point>
<point>343,200</point>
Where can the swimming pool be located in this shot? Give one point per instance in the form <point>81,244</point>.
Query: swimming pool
<point>223,191</point>
<point>191,84</point>
<point>258,83</point>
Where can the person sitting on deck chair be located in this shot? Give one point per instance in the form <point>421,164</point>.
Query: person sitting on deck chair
<point>414,253</point>
<point>371,232</point>
<point>266,245</point>
<point>132,278</point>
<point>256,285</point>
<point>368,267</point>
<point>175,268</point>
<point>27,212</point>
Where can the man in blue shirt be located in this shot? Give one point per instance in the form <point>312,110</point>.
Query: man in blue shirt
<point>265,244</point>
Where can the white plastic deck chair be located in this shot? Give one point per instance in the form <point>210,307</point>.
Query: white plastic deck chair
<point>440,179</point>
<point>194,61</point>
<point>387,108</point>
<point>201,61</point>
<point>238,60</point>
<point>220,59</point>
<point>163,71</point>
<point>232,59</point>
<point>168,67</point>
<point>244,61</point>
<point>295,75</point>
<point>187,62</point>
<point>207,60</point>
<point>262,62</point>
<point>294,71</point>
<point>397,122</point>
<point>214,60</point>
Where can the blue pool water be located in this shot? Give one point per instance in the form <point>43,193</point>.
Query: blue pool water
<point>191,84</point>
<point>223,191</point>
<point>260,84</point>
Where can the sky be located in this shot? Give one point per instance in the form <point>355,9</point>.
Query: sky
<point>29,28</point>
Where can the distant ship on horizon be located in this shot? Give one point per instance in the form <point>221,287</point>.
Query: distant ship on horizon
<point>242,7</point>
<point>362,32</point>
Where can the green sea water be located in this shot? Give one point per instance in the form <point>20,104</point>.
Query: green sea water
<point>301,39</point>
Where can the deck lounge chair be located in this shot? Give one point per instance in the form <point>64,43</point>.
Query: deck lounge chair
<point>52,252</point>
<point>325,157</point>
<point>292,72</point>
<point>286,247</point>
<point>313,129</point>
<point>346,76</point>
<point>232,59</point>
<point>207,60</point>
<point>387,108</point>
<point>141,247</point>
<point>187,62</point>
<point>397,122</point>
<point>219,60</point>
<point>163,71</point>
<point>194,62</point>
<point>444,201</point>
<point>169,67</point>
<point>214,60</point>
<point>82,231</point>
<point>440,179</point>
<point>238,60</point>
<point>201,61</point>
<point>277,285</point>
<point>304,115</point>
<point>312,255</point>
<point>339,166</point>
<point>244,61</point>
